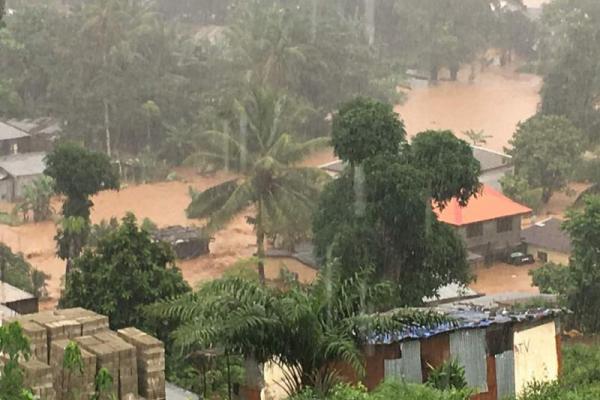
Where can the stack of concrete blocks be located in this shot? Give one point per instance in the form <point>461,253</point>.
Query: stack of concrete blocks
<point>150,362</point>
<point>135,360</point>
<point>118,358</point>
<point>37,375</point>
<point>72,384</point>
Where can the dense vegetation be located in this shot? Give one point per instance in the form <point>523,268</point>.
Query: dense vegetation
<point>141,78</point>
<point>379,212</point>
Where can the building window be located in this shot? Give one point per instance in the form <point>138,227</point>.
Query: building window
<point>504,225</point>
<point>542,256</point>
<point>474,230</point>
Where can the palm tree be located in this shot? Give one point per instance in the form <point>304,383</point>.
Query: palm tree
<point>308,331</point>
<point>272,181</point>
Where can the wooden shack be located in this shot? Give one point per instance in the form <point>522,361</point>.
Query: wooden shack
<point>187,242</point>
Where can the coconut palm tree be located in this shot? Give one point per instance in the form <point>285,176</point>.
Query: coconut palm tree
<point>267,156</point>
<point>308,331</point>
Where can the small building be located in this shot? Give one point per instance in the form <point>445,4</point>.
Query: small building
<point>13,140</point>
<point>187,242</point>
<point>501,351</point>
<point>17,300</point>
<point>494,166</point>
<point>18,171</point>
<point>547,241</point>
<point>490,224</point>
<point>43,131</point>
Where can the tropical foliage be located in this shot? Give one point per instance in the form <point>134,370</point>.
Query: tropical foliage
<point>17,271</point>
<point>15,348</point>
<point>306,330</point>
<point>78,174</point>
<point>282,193</point>
<point>126,271</point>
<point>379,211</point>
<point>36,199</point>
<point>544,150</point>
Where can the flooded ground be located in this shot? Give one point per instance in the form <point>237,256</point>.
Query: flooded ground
<point>500,278</point>
<point>495,102</point>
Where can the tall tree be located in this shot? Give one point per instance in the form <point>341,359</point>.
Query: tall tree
<point>545,150</point>
<point>570,63</point>
<point>272,182</point>
<point>124,272</point>
<point>78,174</point>
<point>397,232</point>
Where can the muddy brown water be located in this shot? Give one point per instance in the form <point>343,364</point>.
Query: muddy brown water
<point>495,102</point>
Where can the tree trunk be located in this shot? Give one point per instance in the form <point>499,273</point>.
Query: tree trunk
<point>360,197</point>
<point>315,9</point>
<point>370,21</point>
<point>434,73</point>
<point>107,126</point>
<point>260,243</point>
<point>454,72</point>
<point>228,376</point>
<point>546,195</point>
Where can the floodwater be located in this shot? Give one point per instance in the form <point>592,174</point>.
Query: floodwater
<point>495,102</point>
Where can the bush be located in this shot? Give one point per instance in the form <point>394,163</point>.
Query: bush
<point>449,375</point>
<point>552,278</point>
<point>519,190</point>
<point>19,273</point>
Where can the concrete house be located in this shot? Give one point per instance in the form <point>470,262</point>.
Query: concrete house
<point>17,171</point>
<point>13,140</point>
<point>548,242</point>
<point>490,224</point>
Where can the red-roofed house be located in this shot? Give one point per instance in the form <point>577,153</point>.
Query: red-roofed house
<point>490,224</point>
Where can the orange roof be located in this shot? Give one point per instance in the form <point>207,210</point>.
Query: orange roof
<point>488,205</point>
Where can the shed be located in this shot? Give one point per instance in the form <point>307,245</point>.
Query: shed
<point>17,300</point>
<point>43,131</point>
<point>187,242</point>
<point>13,140</point>
<point>17,171</point>
<point>548,241</point>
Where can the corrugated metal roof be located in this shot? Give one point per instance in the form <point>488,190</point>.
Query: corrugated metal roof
<point>24,164</point>
<point>490,159</point>
<point>549,235</point>
<point>8,132</point>
<point>9,294</point>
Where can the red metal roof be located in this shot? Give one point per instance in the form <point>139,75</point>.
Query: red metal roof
<point>488,205</point>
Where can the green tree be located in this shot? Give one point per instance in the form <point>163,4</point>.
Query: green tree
<point>36,198</point>
<point>583,297</point>
<point>477,138</point>
<point>545,150</point>
<point>399,185</point>
<point>15,347</point>
<point>73,365</point>
<point>518,189</point>
<point>78,174</point>
<point>570,61</point>
<point>272,181</point>
<point>16,271</point>
<point>307,330</point>
<point>125,271</point>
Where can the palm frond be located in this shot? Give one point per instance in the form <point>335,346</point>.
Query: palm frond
<point>211,200</point>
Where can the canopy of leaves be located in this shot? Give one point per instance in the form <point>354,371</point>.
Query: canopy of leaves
<point>15,347</point>
<point>79,173</point>
<point>309,330</point>
<point>16,271</point>
<point>126,271</point>
<point>571,61</point>
<point>364,128</point>
<point>398,234</point>
<point>545,150</point>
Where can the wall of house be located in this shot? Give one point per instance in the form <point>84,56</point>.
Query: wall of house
<point>553,256</point>
<point>491,239</point>
<point>492,177</point>
<point>22,145</point>
<point>6,189</point>
<point>536,355</point>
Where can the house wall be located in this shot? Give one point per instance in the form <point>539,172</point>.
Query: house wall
<point>553,256</point>
<point>492,177</point>
<point>20,183</point>
<point>6,189</point>
<point>536,355</point>
<point>491,240</point>
<point>23,145</point>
